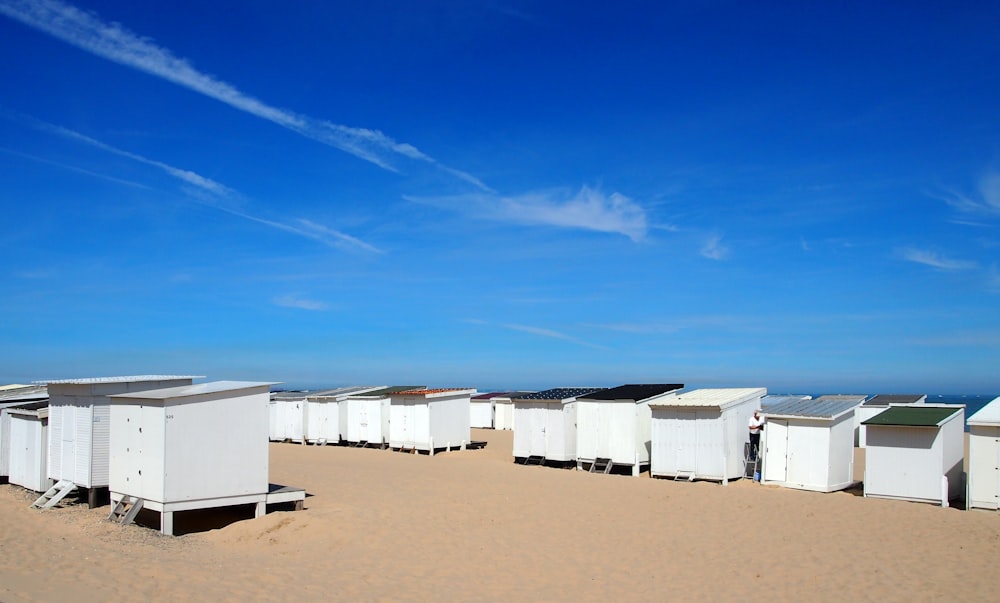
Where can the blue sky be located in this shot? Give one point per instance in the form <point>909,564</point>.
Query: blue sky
<point>518,194</point>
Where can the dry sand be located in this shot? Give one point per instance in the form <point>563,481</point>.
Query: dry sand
<point>471,525</point>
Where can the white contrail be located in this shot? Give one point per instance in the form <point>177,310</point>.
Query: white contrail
<point>115,43</point>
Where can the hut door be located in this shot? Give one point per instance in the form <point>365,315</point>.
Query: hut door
<point>67,455</point>
<point>537,430</point>
<point>776,452</point>
<point>686,440</point>
<point>363,417</point>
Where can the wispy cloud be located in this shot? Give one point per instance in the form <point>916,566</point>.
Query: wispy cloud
<point>993,279</point>
<point>588,209</point>
<point>933,259</point>
<point>552,334</point>
<point>713,248</point>
<point>985,338</point>
<point>187,176</point>
<point>116,43</point>
<point>212,192</point>
<point>74,168</point>
<point>984,201</point>
<point>291,301</point>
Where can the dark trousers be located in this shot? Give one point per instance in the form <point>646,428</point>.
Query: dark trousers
<point>754,444</point>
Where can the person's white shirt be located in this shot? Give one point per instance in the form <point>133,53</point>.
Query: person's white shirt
<point>756,422</point>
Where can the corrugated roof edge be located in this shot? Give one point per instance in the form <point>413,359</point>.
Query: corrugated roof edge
<point>196,389</point>
<point>124,379</point>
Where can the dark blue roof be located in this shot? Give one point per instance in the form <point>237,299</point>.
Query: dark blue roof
<point>560,393</point>
<point>635,391</point>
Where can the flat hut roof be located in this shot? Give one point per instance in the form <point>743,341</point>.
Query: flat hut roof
<point>915,416</point>
<point>887,399</point>
<point>126,379</point>
<point>987,415</point>
<point>440,392</point>
<point>489,395</point>
<point>344,392</point>
<point>560,393</point>
<point>14,393</point>
<point>385,391</point>
<point>185,391</point>
<point>824,407</point>
<point>772,399</point>
<point>709,398</point>
<point>30,409</point>
<point>635,392</point>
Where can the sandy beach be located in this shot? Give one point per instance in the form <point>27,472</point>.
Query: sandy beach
<point>472,525</point>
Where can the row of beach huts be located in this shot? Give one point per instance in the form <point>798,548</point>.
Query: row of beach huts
<point>915,450</point>
<point>167,444</point>
<point>157,442</point>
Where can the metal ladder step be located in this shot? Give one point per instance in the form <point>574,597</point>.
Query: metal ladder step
<point>125,511</point>
<point>601,466</point>
<point>684,475</point>
<point>53,495</point>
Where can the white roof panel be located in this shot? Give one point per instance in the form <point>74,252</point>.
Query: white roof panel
<point>712,397</point>
<point>195,390</point>
<point>128,379</point>
<point>987,415</point>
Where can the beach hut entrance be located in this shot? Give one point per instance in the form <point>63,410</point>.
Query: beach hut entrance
<point>686,438</point>
<point>776,468</point>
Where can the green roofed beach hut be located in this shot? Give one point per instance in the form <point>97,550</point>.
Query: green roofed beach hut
<point>916,453</point>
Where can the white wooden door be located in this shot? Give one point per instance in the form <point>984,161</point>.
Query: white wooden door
<point>67,451</point>
<point>776,452</point>
<point>536,444</point>
<point>686,440</point>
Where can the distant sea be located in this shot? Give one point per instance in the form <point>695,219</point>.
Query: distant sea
<point>973,403</point>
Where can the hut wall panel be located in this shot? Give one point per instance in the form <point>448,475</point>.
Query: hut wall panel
<point>906,464</point>
<point>984,466</point>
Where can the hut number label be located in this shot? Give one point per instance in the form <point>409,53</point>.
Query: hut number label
<point>170,417</point>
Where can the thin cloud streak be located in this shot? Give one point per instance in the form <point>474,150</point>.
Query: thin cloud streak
<point>74,168</point>
<point>933,259</point>
<point>588,209</point>
<point>986,200</point>
<point>552,334</point>
<point>187,176</point>
<point>208,191</point>
<point>291,301</point>
<point>115,43</point>
<point>713,248</point>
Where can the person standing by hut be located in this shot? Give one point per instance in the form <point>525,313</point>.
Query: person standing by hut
<point>756,424</point>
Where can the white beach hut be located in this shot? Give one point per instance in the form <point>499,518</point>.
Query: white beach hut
<point>613,425</point>
<point>702,434</point>
<point>877,404</point>
<point>287,416</point>
<point>809,444</point>
<point>430,419</point>
<point>10,400</point>
<point>192,447</point>
<point>27,445</point>
<point>503,410</point>
<point>546,424</point>
<point>324,420</point>
<point>364,417</point>
<point>984,458</point>
<point>481,410</point>
<point>80,426</point>
<point>916,453</point>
